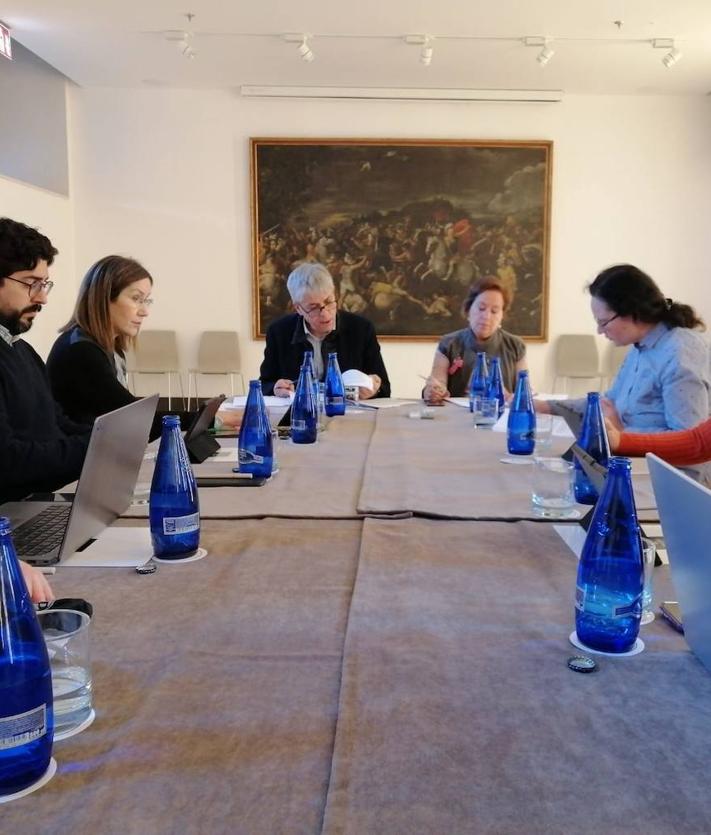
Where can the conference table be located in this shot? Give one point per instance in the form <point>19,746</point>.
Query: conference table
<point>373,644</point>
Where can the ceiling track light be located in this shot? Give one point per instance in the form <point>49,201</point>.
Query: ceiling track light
<point>425,44</point>
<point>546,53</point>
<point>672,56</point>
<point>303,48</point>
<point>183,39</point>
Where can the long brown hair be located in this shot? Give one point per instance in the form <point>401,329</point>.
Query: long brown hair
<point>100,286</point>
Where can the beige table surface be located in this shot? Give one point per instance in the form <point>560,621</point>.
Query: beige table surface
<point>376,676</point>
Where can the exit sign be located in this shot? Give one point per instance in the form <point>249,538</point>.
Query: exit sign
<point>5,42</point>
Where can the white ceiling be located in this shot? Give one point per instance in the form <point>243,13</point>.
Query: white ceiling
<point>476,44</point>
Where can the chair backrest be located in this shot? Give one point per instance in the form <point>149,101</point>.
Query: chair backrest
<point>576,355</point>
<point>218,352</point>
<point>612,360</point>
<point>156,352</point>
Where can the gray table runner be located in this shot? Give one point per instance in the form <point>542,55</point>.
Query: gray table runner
<point>216,689</point>
<point>445,468</point>
<point>318,481</point>
<point>458,713</point>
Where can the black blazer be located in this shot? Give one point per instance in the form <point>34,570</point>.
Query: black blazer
<point>354,341</point>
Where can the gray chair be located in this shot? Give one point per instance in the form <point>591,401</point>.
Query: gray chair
<point>156,352</point>
<point>218,354</point>
<point>611,361</point>
<point>576,358</point>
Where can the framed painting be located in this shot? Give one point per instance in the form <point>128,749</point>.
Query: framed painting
<point>405,227</point>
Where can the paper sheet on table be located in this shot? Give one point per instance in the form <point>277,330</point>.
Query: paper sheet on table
<point>388,402</point>
<point>560,428</point>
<point>240,401</point>
<point>115,547</point>
<point>225,455</point>
<point>573,536</point>
<point>353,377</point>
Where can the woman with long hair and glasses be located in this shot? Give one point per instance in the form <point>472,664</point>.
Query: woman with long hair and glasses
<point>87,364</point>
<point>664,381</point>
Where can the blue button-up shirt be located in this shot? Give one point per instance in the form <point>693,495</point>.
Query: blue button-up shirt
<point>664,381</point>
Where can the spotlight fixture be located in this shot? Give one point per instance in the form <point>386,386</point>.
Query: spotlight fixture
<point>546,53</point>
<point>672,56</point>
<point>304,50</point>
<point>425,44</point>
<point>183,38</point>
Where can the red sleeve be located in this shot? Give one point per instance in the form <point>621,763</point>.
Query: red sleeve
<point>682,448</point>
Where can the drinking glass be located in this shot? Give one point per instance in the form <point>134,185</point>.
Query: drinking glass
<point>544,431</point>
<point>552,494</point>
<point>649,556</point>
<point>485,411</point>
<point>66,634</point>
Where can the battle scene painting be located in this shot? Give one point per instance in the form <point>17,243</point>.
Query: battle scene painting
<point>404,227</point>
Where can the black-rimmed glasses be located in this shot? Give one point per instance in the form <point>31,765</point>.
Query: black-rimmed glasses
<point>602,325</point>
<point>37,285</point>
<point>313,309</point>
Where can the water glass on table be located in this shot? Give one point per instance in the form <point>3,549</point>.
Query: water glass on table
<point>485,411</point>
<point>649,557</point>
<point>66,634</point>
<point>552,494</point>
<point>544,432</point>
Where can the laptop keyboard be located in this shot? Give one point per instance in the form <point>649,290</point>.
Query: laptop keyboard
<point>44,532</point>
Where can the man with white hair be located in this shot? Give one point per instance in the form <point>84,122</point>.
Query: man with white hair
<point>318,326</point>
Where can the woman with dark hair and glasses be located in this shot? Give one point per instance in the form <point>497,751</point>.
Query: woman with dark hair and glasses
<point>484,308</point>
<point>87,363</point>
<point>665,378</point>
<point>318,326</point>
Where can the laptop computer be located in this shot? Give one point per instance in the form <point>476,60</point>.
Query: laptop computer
<point>46,532</point>
<point>685,513</point>
<point>199,443</point>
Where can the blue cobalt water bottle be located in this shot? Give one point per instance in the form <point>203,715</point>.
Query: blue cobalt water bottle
<point>521,428</point>
<point>335,392</point>
<point>26,717</point>
<point>174,506</point>
<point>593,439</point>
<point>304,409</point>
<point>309,360</point>
<point>255,435</point>
<point>477,385</point>
<point>495,384</point>
<point>608,594</point>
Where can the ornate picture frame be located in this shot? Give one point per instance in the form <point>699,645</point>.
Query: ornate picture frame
<point>405,227</point>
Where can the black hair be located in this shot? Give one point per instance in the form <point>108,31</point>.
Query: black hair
<point>22,247</point>
<point>628,291</point>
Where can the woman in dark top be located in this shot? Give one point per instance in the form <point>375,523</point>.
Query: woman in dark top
<point>87,364</point>
<point>454,359</point>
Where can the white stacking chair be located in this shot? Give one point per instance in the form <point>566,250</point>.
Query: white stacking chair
<point>219,354</point>
<point>156,352</point>
<point>576,358</point>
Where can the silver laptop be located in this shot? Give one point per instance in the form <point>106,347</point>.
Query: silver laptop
<point>47,532</point>
<point>685,513</point>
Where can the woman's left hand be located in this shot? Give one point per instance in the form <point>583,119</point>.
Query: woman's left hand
<point>610,414</point>
<point>37,585</point>
<point>366,394</point>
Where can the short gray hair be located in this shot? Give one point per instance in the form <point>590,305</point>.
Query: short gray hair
<point>306,278</point>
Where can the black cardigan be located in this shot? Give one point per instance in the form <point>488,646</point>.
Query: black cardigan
<point>41,449</point>
<point>84,381</point>
<point>354,341</point>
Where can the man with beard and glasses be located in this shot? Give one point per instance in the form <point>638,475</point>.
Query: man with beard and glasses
<point>40,448</point>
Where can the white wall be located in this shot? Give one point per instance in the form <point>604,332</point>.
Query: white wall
<point>164,176</point>
<point>53,215</point>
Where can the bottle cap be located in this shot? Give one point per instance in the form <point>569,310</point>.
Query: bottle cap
<point>582,664</point>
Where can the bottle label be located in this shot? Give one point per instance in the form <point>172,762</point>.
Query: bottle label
<point>299,425</point>
<point>23,727</point>
<point>176,525</point>
<point>615,612</point>
<point>246,457</point>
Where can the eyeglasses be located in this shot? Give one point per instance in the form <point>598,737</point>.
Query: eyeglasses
<point>141,301</point>
<point>602,325</point>
<point>36,286</point>
<point>313,309</point>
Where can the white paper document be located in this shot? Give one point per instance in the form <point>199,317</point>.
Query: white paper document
<point>353,377</point>
<point>115,547</point>
<point>238,402</point>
